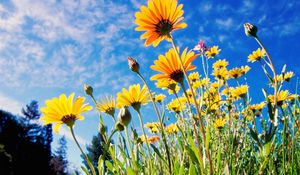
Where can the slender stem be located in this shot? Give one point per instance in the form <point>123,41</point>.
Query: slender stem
<point>273,70</point>
<point>130,148</point>
<point>84,155</point>
<point>161,123</point>
<point>196,105</point>
<point>142,126</point>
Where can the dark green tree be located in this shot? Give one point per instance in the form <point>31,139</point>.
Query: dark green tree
<point>59,160</point>
<point>94,150</point>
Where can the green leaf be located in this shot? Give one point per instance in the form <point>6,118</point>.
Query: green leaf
<point>157,152</point>
<point>192,155</point>
<point>86,171</point>
<point>130,171</point>
<point>269,104</point>
<point>109,166</point>
<point>192,169</point>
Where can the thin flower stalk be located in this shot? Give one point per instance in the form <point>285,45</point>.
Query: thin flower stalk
<point>196,105</point>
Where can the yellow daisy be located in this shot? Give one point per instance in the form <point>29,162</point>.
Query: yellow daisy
<point>212,52</point>
<point>159,98</point>
<point>194,76</point>
<point>281,97</point>
<point>107,105</point>
<point>257,107</point>
<point>64,110</point>
<point>220,64</point>
<point>158,20</point>
<point>256,55</point>
<point>135,96</point>
<point>221,74</point>
<point>176,106</point>
<point>219,123</point>
<point>169,65</point>
<point>288,75</point>
<point>240,91</point>
<point>172,128</point>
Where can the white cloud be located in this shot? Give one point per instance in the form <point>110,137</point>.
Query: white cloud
<point>10,104</point>
<point>224,23</point>
<point>66,132</point>
<point>63,43</point>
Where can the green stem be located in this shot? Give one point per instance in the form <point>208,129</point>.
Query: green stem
<point>130,148</point>
<point>142,126</point>
<point>84,155</point>
<point>196,105</point>
<point>160,121</point>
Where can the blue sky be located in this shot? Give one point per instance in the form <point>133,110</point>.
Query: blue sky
<point>55,46</point>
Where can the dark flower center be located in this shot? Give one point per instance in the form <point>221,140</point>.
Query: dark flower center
<point>164,27</point>
<point>177,76</point>
<point>69,119</point>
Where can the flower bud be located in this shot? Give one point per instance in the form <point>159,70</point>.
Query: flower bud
<point>250,30</point>
<point>119,126</point>
<point>124,116</point>
<point>88,89</point>
<point>133,65</point>
<point>102,128</point>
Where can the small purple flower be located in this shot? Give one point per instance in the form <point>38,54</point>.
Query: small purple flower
<point>200,47</point>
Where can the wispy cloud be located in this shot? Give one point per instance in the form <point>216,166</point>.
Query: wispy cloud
<point>10,104</point>
<point>63,43</point>
<point>66,132</point>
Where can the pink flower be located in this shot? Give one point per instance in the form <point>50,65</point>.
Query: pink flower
<point>200,47</point>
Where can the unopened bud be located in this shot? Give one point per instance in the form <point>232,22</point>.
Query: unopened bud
<point>133,65</point>
<point>102,128</point>
<point>119,126</point>
<point>250,30</point>
<point>124,116</point>
<point>88,89</point>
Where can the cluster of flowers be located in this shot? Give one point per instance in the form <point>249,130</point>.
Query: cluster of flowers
<point>210,105</point>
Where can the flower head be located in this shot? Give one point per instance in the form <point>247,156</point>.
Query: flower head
<point>135,96</point>
<point>200,47</point>
<point>172,128</point>
<point>288,75</point>
<point>221,73</point>
<point>194,76</point>
<point>158,20</point>
<point>159,98</point>
<point>281,97</point>
<point>212,52</point>
<point>240,91</point>
<point>220,64</point>
<point>133,65</point>
<point>250,30</point>
<point>88,89</point>
<point>107,105</point>
<point>176,105</point>
<point>170,67</point>
<point>219,123</point>
<point>256,55</point>
<point>238,72</point>
<point>64,110</point>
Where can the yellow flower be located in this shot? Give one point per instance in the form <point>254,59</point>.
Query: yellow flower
<point>212,52</point>
<point>279,78</point>
<point>281,97</point>
<point>238,72</point>
<point>288,75</point>
<point>240,91</point>
<point>219,123</point>
<point>107,105</point>
<point>220,64</point>
<point>159,98</point>
<point>221,74</point>
<point>172,128</point>
<point>169,84</point>
<point>153,127</point>
<point>196,85</point>
<point>169,65</point>
<point>135,96</point>
<point>64,110</point>
<point>176,105</point>
<point>158,20</point>
<point>258,106</point>
<point>256,55</point>
<point>245,69</point>
<point>194,76</point>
